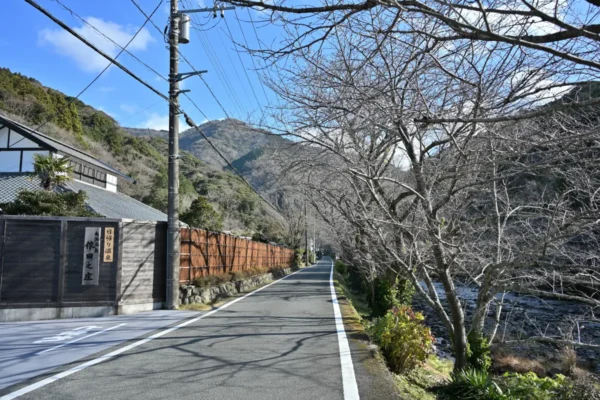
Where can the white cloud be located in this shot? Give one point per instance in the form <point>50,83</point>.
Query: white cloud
<point>156,121</point>
<point>87,59</point>
<point>128,108</point>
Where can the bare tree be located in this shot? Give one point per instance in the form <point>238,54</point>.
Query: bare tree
<point>471,198</point>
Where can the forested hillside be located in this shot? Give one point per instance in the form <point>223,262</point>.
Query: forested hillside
<point>234,139</point>
<point>143,158</point>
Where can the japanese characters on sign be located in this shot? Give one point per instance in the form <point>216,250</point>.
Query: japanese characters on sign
<point>109,240</point>
<point>91,256</point>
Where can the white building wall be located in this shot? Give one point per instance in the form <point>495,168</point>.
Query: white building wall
<point>111,183</point>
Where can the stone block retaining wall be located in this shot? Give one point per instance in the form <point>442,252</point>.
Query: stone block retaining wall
<point>190,294</point>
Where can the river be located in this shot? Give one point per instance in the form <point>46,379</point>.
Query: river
<point>525,316</point>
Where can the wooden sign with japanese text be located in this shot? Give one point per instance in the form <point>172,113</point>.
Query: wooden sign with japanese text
<point>109,240</point>
<point>91,256</point>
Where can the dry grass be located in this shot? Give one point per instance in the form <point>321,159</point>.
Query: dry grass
<point>195,307</point>
<point>543,359</point>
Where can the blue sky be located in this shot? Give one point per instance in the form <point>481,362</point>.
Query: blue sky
<point>33,45</point>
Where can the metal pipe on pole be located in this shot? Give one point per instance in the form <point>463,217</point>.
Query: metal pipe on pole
<point>173,229</point>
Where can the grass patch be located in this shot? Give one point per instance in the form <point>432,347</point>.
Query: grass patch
<point>421,381</point>
<point>358,301</point>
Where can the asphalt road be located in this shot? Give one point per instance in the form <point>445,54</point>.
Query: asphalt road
<point>282,342</point>
<point>29,349</point>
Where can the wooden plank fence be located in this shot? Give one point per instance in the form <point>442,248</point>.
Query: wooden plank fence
<point>205,253</point>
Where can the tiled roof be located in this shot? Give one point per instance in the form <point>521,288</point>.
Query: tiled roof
<point>116,205</point>
<point>51,143</point>
<point>104,202</point>
<point>11,183</point>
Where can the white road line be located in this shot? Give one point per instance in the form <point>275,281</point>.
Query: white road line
<point>348,377</point>
<point>108,356</point>
<point>81,338</point>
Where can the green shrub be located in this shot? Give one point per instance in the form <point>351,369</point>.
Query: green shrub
<point>297,257</point>
<point>581,389</point>
<point>478,356</point>
<point>42,202</point>
<point>212,280</point>
<point>529,387</point>
<point>403,338</point>
<point>476,384</point>
<point>201,214</point>
<point>473,384</point>
<point>383,298</point>
<point>341,268</point>
<point>404,291</point>
<point>355,279</point>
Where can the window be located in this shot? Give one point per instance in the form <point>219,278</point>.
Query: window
<point>10,161</point>
<point>28,159</point>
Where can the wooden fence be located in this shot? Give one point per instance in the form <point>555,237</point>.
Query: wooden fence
<point>205,253</point>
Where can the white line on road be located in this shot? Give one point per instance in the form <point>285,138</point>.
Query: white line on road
<point>348,377</point>
<point>81,338</point>
<point>81,367</point>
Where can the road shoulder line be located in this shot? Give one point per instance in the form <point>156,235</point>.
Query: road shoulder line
<point>348,376</point>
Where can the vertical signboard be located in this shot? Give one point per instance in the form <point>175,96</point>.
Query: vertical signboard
<point>91,256</point>
<point>109,240</point>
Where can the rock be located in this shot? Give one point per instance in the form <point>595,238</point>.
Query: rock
<point>205,296</point>
<point>228,289</point>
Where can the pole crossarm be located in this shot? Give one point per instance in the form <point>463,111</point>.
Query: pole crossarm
<point>206,9</point>
<point>184,75</point>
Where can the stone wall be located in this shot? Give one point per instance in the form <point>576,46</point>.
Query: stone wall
<point>190,294</point>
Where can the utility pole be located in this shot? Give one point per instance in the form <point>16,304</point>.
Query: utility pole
<point>173,238</point>
<point>314,238</point>
<point>305,229</point>
<point>179,32</point>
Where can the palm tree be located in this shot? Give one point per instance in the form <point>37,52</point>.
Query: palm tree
<point>52,171</point>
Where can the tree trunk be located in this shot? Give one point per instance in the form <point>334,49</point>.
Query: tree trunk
<point>459,342</point>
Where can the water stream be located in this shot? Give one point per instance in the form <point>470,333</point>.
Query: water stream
<point>524,316</point>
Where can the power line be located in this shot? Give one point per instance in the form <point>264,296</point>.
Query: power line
<point>231,61</point>
<point>259,44</point>
<point>139,112</point>
<point>140,80</point>
<point>251,57</point>
<point>243,66</point>
<point>97,76</point>
<point>242,137</point>
<point>74,14</point>
<point>214,60</point>
<point>93,47</point>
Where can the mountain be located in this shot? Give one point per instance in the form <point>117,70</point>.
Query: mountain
<point>142,153</point>
<point>234,139</point>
